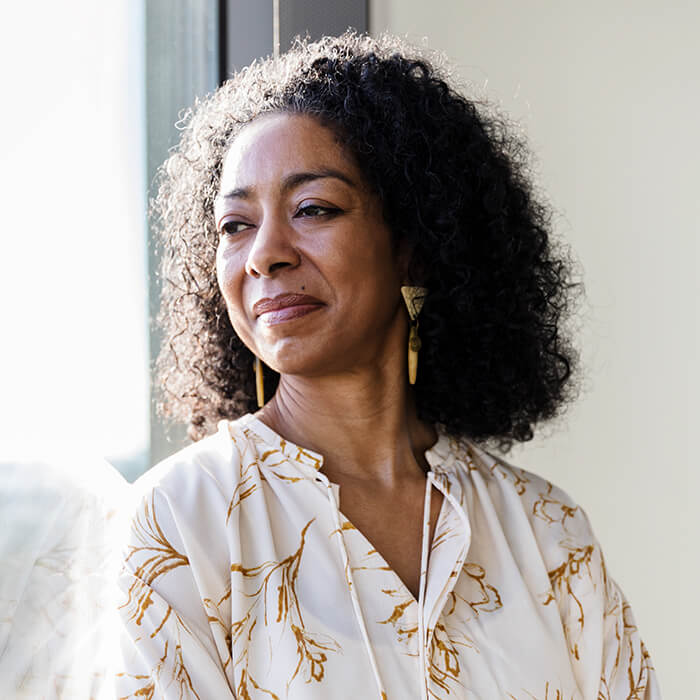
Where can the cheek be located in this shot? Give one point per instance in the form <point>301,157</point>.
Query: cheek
<point>375,265</point>
<point>223,274</point>
<point>229,279</point>
<point>358,256</point>
<point>369,282</point>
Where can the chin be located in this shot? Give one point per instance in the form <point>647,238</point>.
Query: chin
<point>294,356</point>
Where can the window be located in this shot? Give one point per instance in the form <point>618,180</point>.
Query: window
<point>91,106</point>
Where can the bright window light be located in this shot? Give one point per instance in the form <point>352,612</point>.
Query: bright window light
<point>73,272</point>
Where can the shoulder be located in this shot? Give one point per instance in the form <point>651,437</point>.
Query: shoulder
<point>547,533</point>
<point>177,507</point>
<point>524,499</point>
<point>215,462</point>
<point>195,491</point>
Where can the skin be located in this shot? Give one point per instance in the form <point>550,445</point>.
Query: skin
<point>343,389</point>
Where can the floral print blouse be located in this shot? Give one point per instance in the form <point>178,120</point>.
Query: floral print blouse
<point>243,579</point>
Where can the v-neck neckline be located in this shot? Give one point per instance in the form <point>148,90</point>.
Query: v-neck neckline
<point>436,456</point>
<point>384,564</point>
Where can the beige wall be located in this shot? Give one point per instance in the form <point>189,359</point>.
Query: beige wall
<point>608,94</point>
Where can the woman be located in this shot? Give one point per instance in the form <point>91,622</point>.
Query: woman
<point>338,529</point>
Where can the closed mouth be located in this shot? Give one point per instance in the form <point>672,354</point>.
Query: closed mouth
<point>305,302</point>
<point>287,313</point>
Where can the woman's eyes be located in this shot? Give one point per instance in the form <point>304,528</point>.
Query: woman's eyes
<point>316,210</point>
<point>309,211</point>
<point>231,227</point>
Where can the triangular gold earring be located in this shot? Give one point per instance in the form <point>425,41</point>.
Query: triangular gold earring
<point>414,298</point>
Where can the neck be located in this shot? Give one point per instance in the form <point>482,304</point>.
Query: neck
<point>364,423</point>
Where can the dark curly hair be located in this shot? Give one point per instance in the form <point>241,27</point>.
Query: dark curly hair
<point>455,182</point>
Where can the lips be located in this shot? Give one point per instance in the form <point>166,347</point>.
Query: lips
<point>285,301</point>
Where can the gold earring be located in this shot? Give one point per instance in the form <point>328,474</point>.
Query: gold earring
<point>414,298</point>
<point>260,389</point>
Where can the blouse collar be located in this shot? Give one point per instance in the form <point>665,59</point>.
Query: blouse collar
<point>440,457</point>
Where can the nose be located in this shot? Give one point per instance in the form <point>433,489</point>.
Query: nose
<point>272,249</point>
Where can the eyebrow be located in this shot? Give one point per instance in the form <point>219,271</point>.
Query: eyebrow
<point>291,181</point>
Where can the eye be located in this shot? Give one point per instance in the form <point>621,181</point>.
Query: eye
<point>232,227</point>
<point>312,210</point>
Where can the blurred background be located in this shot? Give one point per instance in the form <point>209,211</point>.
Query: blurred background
<point>608,95</point>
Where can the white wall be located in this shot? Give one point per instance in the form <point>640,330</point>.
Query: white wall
<point>609,96</point>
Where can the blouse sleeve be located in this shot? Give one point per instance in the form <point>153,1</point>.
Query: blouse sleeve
<point>58,552</point>
<point>627,671</point>
<point>608,655</point>
<point>175,641</point>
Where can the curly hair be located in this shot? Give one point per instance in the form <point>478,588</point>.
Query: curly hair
<point>455,183</point>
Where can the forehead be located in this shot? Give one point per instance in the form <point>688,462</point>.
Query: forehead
<point>275,144</point>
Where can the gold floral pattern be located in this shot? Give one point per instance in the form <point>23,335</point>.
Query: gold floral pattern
<point>444,667</point>
<point>170,669</point>
<point>405,629</point>
<point>518,477</point>
<point>577,565</point>
<point>549,694</point>
<point>552,510</point>
<point>160,558</point>
<point>288,599</point>
<point>312,648</point>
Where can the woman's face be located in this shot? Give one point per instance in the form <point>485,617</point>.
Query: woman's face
<point>295,217</point>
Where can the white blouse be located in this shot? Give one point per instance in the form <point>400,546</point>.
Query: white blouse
<point>243,579</point>
<point>58,565</point>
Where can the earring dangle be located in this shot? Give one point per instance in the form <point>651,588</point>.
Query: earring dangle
<point>259,387</point>
<point>414,297</point>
